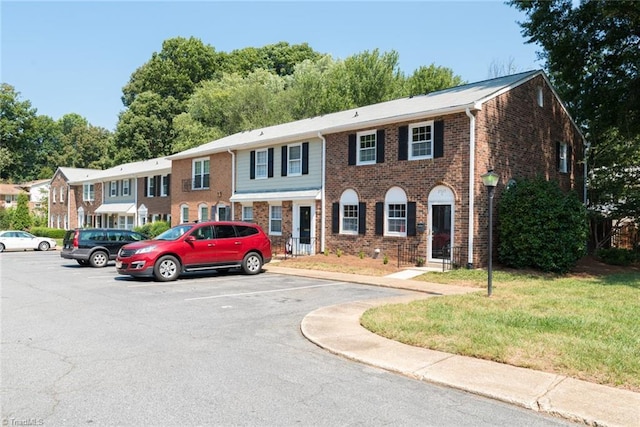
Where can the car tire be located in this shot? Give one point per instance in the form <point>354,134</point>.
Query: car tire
<point>252,263</point>
<point>99,259</point>
<point>82,262</point>
<point>166,269</point>
<point>44,246</point>
<point>1,247</point>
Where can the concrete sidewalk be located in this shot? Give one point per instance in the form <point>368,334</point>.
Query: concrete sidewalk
<point>337,329</point>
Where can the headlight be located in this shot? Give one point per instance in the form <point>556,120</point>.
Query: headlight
<point>145,250</point>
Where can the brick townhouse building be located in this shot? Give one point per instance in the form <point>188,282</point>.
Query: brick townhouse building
<point>402,172</point>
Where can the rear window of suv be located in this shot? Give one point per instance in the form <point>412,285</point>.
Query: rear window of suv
<point>244,231</point>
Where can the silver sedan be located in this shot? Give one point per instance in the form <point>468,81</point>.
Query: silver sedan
<point>17,240</point>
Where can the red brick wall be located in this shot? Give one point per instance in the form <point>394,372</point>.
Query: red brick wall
<point>158,205</point>
<point>181,192</point>
<point>514,136</point>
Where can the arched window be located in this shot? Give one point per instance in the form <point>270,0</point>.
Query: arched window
<point>184,213</point>
<point>349,212</point>
<point>81,217</point>
<point>203,212</point>
<point>395,212</point>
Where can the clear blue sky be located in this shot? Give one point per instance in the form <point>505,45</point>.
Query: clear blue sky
<point>75,57</point>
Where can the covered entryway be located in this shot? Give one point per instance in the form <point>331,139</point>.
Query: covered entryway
<point>440,217</point>
<point>303,228</point>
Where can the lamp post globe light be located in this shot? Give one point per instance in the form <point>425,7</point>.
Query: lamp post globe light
<point>490,180</point>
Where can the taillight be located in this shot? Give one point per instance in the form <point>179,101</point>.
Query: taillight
<point>75,238</point>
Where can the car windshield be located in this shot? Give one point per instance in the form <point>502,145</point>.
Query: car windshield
<point>174,233</point>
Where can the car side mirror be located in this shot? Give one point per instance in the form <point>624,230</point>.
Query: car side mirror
<point>190,238</point>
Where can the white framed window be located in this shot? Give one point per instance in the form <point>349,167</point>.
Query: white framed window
<point>126,187</point>
<point>80,217</point>
<point>262,160</point>
<point>562,158</point>
<point>151,186</point>
<point>294,162</point>
<point>395,207</point>
<point>53,197</point>
<point>164,184</point>
<point>88,193</point>
<point>200,174</point>
<point>366,147</point>
<point>275,220</point>
<point>421,140</point>
<point>247,213</point>
<point>61,195</point>
<point>203,212</point>
<point>349,212</point>
<point>113,188</point>
<point>184,213</point>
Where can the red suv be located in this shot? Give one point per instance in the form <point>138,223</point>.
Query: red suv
<point>195,247</point>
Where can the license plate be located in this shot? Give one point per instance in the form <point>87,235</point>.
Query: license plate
<point>118,264</point>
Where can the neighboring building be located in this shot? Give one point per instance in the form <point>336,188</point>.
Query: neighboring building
<point>9,195</point>
<point>400,172</point>
<point>66,200</point>
<point>124,196</point>
<point>38,195</point>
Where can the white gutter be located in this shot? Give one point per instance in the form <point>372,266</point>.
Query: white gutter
<point>472,172</point>
<point>233,180</point>
<point>323,218</point>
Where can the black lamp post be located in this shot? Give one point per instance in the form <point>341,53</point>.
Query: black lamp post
<point>490,180</point>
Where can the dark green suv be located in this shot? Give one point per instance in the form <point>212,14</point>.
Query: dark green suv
<point>96,246</point>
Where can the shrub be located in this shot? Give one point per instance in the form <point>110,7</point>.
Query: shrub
<point>152,229</point>
<point>541,227</point>
<point>361,254</point>
<point>339,253</point>
<point>617,256</point>
<point>54,233</point>
<point>385,260</point>
<point>21,219</point>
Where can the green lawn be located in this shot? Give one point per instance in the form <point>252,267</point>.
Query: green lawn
<point>585,328</point>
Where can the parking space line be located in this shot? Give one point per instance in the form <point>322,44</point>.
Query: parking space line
<point>262,292</point>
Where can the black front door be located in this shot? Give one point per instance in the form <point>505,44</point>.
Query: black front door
<point>305,225</point>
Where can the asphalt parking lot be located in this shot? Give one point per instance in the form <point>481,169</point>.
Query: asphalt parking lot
<point>87,346</point>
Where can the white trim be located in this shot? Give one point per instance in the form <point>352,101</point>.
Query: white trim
<point>272,196</point>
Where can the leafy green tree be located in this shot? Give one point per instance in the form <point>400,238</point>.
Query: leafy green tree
<point>191,133</point>
<point>431,79</point>
<point>81,145</point>
<point>540,226</point>
<point>592,54</point>
<point>17,145</point>
<point>21,219</point>
<point>279,58</point>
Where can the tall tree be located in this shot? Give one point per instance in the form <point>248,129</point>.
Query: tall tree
<point>430,79</point>
<point>17,146</point>
<point>592,53</point>
<point>81,145</point>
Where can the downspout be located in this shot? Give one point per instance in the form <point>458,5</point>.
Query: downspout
<point>323,173</point>
<point>233,181</point>
<point>472,172</point>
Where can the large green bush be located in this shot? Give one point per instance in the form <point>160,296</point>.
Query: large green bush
<point>54,233</point>
<point>541,227</point>
<point>152,229</point>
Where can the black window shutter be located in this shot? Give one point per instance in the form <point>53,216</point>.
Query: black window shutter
<point>168,184</point>
<point>403,142</point>
<point>270,162</point>
<point>438,139</point>
<point>411,218</point>
<point>157,184</point>
<point>379,218</point>
<point>335,217</point>
<point>352,149</point>
<point>252,165</point>
<point>380,146</point>
<point>362,218</point>
<point>146,186</point>
<point>569,158</point>
<point>557,155</point>
<point>283,166</point>
<point>305,158</point>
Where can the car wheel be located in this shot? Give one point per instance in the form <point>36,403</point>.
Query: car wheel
<point>1,247</point>
<point>166,269</point>
<point>43,246</point>
<point>99,259</point>
<point>82,261</point>
<point>252,263</point>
